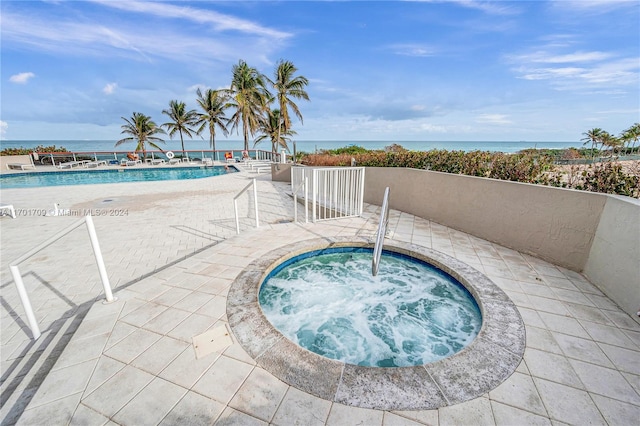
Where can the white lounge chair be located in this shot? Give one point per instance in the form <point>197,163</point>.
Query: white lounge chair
<point>157,161</point>
<point>9,207</point>
<point>98,163</point>
<point>72,164</point>
<point>20,166</point>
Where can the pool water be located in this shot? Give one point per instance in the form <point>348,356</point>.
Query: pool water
<point>117,175</point>
<point>411,313</point>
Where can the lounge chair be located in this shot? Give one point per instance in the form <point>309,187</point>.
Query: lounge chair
<point>130,163</point>
<point>98,163</point>
<point>9,207</point>
<point>20,166</point>
<point>157,161</point>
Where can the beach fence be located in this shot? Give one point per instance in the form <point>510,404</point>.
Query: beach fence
<point>332,192</point>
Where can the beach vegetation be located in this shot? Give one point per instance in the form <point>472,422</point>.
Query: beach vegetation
<point>630,137</point>
<point>532,166</point>
<point>182,121</point>
<point>39,149</point>
<point>212,102</point>
<point>142,130</point>
<point>593,137</point>
<point>351,149</point>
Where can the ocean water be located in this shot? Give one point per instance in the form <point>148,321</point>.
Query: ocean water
<point>301,146</point>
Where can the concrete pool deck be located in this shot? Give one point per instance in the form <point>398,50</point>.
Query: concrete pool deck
<point>171,253</point>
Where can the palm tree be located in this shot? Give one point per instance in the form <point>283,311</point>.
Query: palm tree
<point>631,135</point>
<point>141,130</point>
<point>270,129</point>
<point>249,97</point>
<point>288,87</point>
<point>182,120</point>
<point>610,141</point>
<point>592,136</point>
<point>212,103</point>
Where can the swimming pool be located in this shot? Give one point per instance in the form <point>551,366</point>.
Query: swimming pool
<point>119,175</point>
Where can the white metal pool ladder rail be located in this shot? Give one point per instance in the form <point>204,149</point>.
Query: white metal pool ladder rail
<point>382,231</point>
<point>17,277</point>
<point>255,203</point>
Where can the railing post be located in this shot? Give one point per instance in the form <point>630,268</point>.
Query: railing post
<point>98,254</point>
<point>26,303</point>
<point>255,201</point>
<point>314,190</point>
<point>235,210</point>
<point>306,199</point>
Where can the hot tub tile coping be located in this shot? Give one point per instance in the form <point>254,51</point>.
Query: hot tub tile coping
<point>477,369</point>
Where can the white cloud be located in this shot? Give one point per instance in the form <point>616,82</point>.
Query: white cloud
<point>489,7</point>
<point>585,71</point>
<point>493,119</point>
<point>120,38</point>
<point>109,88</point>
<point>219,21</point>
<point>411,49</point>
<point>3,128</point>
<point>21,78</point>
<point>548,58</point>
<point>594,6</point>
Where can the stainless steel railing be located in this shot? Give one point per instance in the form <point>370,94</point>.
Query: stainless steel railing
<point>382,230</point>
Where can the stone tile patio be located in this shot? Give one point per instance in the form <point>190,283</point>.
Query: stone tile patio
<point>171,260</point>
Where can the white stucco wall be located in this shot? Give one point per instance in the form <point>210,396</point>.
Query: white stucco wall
<point>614,260</point>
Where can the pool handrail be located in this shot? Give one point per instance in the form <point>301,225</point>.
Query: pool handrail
<point>382,231</point>
<point>255,203</point>
<point>17,276</point>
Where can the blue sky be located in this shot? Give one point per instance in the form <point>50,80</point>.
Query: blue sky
<point>429,70</point>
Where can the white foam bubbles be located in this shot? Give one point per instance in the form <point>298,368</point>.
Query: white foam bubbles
<point>409,314</point>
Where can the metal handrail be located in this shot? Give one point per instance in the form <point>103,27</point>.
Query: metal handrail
<point>17,277</point>
<point>255,203</point>
<point>382,230</point>
<point>259,155</point>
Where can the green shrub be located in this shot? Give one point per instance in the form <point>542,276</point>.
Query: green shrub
<point>529,166</point>
<point>25,151</point>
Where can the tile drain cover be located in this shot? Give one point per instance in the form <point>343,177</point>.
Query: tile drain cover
<point>212,340</point>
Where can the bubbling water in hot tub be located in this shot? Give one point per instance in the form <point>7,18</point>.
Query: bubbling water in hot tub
<point>410,314</point>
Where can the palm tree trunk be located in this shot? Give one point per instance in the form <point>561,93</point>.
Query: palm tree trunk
<point>182,142</point>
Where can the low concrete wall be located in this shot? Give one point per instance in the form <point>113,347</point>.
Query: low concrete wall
<point>597,234</point>
<point>614,259</point>
<point>281,172</point>
<point>554,224</point>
